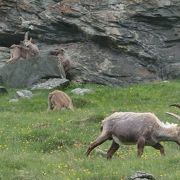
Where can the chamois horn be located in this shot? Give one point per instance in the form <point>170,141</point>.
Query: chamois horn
<point>176,105</point>
<point>174,115</point>
<point>26,36</point>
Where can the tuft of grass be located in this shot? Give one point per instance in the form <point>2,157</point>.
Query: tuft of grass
<point>36,144</point>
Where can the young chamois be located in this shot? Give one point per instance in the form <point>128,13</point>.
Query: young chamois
<point>58,100</point>
<point>143,129</point>
<point>28,49</point>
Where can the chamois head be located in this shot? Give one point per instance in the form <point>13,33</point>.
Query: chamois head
<point>28,42</point>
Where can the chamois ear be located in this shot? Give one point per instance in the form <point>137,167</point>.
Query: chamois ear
<point>30,40</point>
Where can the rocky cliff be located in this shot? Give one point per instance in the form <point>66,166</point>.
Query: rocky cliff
<point>114,42</point>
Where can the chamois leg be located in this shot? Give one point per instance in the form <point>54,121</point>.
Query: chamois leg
<point>159,147</point>
<point>102,138</point>
<point>114,147</point>
<point>12,59</point>
<point>57,108</point>
<point>140,146</point>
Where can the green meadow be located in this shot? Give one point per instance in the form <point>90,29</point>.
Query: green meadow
<point>40,145</point>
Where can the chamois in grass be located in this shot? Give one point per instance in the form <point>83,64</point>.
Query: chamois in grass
<point>58,100</point>
<point>142,129</point>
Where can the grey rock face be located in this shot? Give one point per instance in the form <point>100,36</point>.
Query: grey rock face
<point>4,56</point>
<point>26,72</point>
<point>92,63</point>
<point>111,42</point>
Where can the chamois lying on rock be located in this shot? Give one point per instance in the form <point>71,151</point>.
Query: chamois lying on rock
<point>143,129</point>
<point>26,50</point>
<point>18,51</point>
<point>58,100</point>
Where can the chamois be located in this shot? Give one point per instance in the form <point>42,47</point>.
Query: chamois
<point>173,114</point>
<point>58,100</point>
<point>28,49</point>
<point>63,58</point>
<point>18,51</point>
<point>143,129</point>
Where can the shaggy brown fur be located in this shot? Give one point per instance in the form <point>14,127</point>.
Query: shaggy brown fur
<point>58,100</point>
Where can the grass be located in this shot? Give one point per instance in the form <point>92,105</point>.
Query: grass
<point>36,144</point>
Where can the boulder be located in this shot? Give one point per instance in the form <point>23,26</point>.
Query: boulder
<point>26,72</point>
<point>141,175</point>
<point>81,91</point>
<point>14,100</point>
<point>51,84</point>
<point>24,94</point>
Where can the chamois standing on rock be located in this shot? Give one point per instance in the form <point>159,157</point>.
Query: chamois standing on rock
<point>143,129</point>
<point>28,49</point>
<point>58,100</point>
<point>63,58</point>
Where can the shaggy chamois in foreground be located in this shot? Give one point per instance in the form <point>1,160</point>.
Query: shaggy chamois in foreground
<point>58,100</point>
<point>143,129</point>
